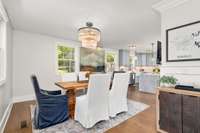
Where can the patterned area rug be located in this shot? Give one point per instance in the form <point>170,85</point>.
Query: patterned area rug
<point>71,126</point>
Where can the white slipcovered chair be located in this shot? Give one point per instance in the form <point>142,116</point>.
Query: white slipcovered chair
<point>69,77</point>
<point>82,75</point>
<point>118,94</point>
<point>93,107</point>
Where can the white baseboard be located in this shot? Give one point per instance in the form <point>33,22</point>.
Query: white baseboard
<point>23,98</point>
<point>5,117</point>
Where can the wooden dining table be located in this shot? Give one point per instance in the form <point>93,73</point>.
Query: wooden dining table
<point>71,89</point>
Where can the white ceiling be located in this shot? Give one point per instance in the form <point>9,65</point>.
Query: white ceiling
<point>121,21</point>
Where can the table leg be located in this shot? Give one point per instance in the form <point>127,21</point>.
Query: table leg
<point>71,102</point>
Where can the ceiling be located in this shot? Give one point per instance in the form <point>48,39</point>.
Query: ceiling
<point>121,21</point>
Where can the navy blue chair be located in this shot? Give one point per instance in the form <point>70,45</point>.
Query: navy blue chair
<point>51,106</point>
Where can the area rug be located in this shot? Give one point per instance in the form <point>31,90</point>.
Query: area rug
<point>72,126</point>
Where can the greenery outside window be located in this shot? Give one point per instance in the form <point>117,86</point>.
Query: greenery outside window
<point>65,59</point>
<point>110,61</point>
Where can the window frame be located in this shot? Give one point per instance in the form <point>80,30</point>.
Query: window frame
<point>56,56</point>
<point>3,50</point>
<point>3,43</point>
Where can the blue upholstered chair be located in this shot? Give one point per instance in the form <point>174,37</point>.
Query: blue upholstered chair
<point>51,106</point>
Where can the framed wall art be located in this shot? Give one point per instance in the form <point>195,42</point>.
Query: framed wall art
<point>183,43</point>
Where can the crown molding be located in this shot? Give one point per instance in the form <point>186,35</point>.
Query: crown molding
<point>167,4</point>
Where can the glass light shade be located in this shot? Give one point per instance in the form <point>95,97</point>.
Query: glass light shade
<point>135,58</point>
<point>89,43</point>
<point>131,53</point>
<point>132,50</point>
<point>89,36</point>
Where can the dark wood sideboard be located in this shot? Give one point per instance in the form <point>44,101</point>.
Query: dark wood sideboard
<point>177,111</point>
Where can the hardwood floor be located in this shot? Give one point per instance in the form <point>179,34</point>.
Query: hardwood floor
<point>144,122</point>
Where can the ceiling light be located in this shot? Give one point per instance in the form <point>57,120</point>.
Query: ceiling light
<point>89,36</point>
<point>132,50</point>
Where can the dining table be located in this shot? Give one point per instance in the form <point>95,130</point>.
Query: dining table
<point>71,89</point>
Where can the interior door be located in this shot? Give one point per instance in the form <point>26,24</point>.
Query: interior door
<point>170,112</point>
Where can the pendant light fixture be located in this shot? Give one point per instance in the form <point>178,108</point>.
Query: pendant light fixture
<point>132,50</point>
<point>89,36</point>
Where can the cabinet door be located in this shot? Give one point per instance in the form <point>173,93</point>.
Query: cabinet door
<point>191,114</point>
<point>144,61</point>
<point>170,112</point>
<point>175,113</point>
<point>164,111</point>
<point>149,59</point>
<point>123,58</point>
<point>139,60</point>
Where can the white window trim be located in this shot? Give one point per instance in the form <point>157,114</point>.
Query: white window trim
<point>3,42</point>
<point>4,20</point>
<point>56,58</point>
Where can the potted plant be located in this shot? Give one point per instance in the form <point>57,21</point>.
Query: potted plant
<point>168,81</point>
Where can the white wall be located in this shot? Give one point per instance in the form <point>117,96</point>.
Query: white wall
<point>36,54</point>
<point>6,89</point>
<point>188,12</point>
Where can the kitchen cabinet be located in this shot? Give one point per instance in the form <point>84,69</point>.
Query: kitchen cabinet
<point>124,58</point>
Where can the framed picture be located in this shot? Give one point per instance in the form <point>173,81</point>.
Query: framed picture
<point>92,60</point>
<point>183,43</point>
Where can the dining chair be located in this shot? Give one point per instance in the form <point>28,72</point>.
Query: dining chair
<point>82,75</point>
<point>72,77</point>
<point>118,94</point>
<point>68,77</point>
<point>51,106</point>
<point>93,107</point>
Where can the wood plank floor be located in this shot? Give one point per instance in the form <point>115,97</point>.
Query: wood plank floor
<point>144,122</point>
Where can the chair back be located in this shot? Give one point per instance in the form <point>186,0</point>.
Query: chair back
<point>98,93</point>
<point>36,86</point>
<point>50,109</point>
<point>116,72</point>
<point>69,77</point>
<point>120,86</point>
<point>82,75</point>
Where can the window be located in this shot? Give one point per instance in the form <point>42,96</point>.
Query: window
<point>2,52</point>
<point>65,59</point>
<point>110,61</point>
<point>3,37</point>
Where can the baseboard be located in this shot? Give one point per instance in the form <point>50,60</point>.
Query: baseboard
<point>23,98</point>
<point>5,117</point>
